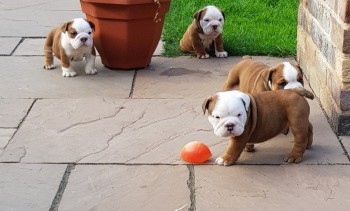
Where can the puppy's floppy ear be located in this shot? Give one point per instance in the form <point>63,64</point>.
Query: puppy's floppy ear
<point>92,25</point>
<point>271,72</point>
<point>206,103</point>
<point>223,14</point>
<point>197,16</point>
<point>246,101</point>
<point>65,26</point>
<point>300,76</point>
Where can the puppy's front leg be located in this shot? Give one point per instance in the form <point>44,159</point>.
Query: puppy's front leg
<point>198,47</point>
<point>219,47</point>
<point>232,153</point>
<point>90,64</point>
<point>67,70</point>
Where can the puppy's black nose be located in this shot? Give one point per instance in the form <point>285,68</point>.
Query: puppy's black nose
<point>215,27</point>
<point>84,39</point>
<point>230,127</point>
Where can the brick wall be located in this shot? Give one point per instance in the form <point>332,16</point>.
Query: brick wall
<point>323,51</point>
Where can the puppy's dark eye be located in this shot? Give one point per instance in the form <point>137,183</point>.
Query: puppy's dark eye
<point>89,32</point>
<point>73,33</point>
<point>220,19</point>
<point>239,115</point>
<point>217,117</point>
<point>206,20</point>
<point>283,84</point>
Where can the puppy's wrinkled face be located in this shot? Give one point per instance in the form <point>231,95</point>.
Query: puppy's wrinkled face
<point>228,112</point>
<point>286,76</point>
<point>79,32</point>
<point>212,20</point>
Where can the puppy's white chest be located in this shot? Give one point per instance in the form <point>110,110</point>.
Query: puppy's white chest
<point>77,54</point>
<point>207,40</point>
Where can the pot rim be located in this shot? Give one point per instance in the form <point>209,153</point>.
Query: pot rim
<point>124,2</point>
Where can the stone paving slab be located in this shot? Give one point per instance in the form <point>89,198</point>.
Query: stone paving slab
<point>35,18</point>
<point>187,77</point>
<point>8,44</point>
<point>296,187</point>
<point>107,131</point>
<point>114,187</point>
<point>12,111</point>
<point>5,136</point>
<point>24,77</point>
<point>145,131</point>
<point>29,186</point>
<point>31,47</point>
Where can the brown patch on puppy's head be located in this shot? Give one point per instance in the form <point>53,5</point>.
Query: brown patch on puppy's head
<point>285,76</point>
<point>209,104</point>
<point>276,80</point>
<point>67,27</point>
<point>199,16</point>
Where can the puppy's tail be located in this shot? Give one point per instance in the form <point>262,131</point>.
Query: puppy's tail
<point>305,93</point>
<point>246,57</point>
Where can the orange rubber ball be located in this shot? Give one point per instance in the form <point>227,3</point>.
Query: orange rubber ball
<point>195,152</point>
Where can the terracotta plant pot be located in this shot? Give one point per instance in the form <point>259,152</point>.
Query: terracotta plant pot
<point>126,31</point>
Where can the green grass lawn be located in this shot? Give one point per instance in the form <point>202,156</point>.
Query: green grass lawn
<point>254,27</point>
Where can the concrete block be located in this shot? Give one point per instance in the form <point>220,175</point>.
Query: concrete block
<point>323,43</point>
<point>320,13</point>
<point>341,8</point>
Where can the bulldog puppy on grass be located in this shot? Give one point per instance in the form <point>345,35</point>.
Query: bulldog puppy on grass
<point>204,34</point>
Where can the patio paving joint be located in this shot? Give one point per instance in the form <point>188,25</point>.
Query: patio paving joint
<point>345,151</point>
<point>191,187</point>
<point>18,44</point>
<point>133,84</point>
<point>20,123</point>
<point>58,197</point>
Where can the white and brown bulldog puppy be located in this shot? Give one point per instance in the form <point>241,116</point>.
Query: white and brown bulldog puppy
<point>252,76</point>
<point>71,41</point>
<point>244,117</point>
<point>204,34</point>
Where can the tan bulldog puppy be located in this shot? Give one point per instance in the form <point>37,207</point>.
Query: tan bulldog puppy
<point>204,34</point>
<point>71,41</point>
<point>253,76</point>
<point>244,117</point>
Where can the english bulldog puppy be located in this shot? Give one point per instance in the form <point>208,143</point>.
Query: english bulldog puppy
<point>71,41</point>
<point>204,34</point>
<point>253,76</point>
<point>257,117</point>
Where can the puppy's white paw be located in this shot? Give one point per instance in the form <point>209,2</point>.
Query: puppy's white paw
<point>90,71</point>
<point>219,161</point>
<point>206,56</point>
<point>49,66</point>
<point>221,54</point>
<point>68,73</point>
